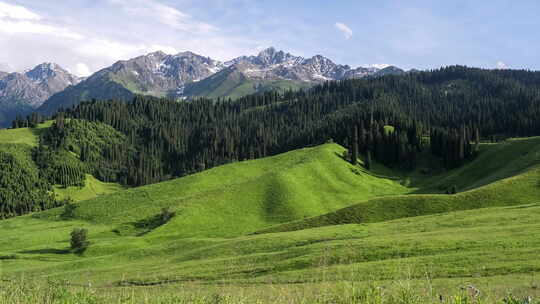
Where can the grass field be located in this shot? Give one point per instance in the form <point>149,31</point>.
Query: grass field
<point>25,136</point>
<point>92,188</point>
<point>338,232</point>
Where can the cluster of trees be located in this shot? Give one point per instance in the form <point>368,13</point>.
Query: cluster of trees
<point>21,189</point>
<point>454,146</point>
<point>385,144</point>
<point>59,167</point>
<point>31,121</point>
<point>71,148</point>
<point>79,240</point>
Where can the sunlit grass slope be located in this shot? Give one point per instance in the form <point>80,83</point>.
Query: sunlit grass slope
<point>92,188</point>
<point>456,247</point>
<point>512,167</point>
<point>495,161</point>
<point>25,136</point>
<point>243,197</point>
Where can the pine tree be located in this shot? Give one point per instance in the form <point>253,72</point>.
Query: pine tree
<point>354,154</point>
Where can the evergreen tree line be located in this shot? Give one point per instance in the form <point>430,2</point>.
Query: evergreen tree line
<point>31,121</point>
<point>451,106</point>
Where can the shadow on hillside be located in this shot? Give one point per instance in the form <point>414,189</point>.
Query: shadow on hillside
<point>374,171</point>
<point>341,156</point>
<point>46,251</point>
<point>534,205</point>
<point>276,205</point>
<point>147,225</point>
<point>37,131</point>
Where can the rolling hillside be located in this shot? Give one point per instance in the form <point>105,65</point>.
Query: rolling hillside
<point>265,192</point>
<point>390,234</point>
<point>233,84</point>
<point>489,181</point>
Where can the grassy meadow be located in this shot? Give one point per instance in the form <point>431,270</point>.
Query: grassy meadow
<point>300,227</point>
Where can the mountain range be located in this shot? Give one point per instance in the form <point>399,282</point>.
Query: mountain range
<point>22,93</point>
<point>48,87</point>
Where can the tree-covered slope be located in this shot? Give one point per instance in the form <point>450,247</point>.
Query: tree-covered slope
<point>454,107</point>
<point>100,87</point>
<point>37,177</point>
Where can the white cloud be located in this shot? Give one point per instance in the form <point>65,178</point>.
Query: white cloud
<point>115,50</point>
<point>501,65</point>
<point>30,27</point>
<point>82,70</point>
<point>20,20</point>
<point>17,12</point>
<point>165,14</point>
<point>347,32</point>
<point>81,45</point>
<point>104,48</point>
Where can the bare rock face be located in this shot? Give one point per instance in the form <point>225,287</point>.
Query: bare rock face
<point>21,93</point>
<point>187,74</point>
<point>274,65</point>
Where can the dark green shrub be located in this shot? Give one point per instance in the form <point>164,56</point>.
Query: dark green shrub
<point>79,241</point>
<point>69,209</point>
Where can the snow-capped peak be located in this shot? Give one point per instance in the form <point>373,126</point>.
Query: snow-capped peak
<point>48,70</point>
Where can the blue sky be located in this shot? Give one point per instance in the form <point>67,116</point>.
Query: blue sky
<point>87,35</point>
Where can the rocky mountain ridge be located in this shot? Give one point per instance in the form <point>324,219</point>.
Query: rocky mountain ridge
<point>23,92</point>
<point>48,87</point>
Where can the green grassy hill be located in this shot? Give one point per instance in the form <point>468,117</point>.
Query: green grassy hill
<point>504,174</point>
<point>233,84</point>
<point>486,235</point>
<point>495,162</point>
<point>92,188</point>
<point>264,192</point>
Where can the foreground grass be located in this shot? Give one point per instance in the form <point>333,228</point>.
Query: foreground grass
<point>490,243</point>
<point>403,291</point>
